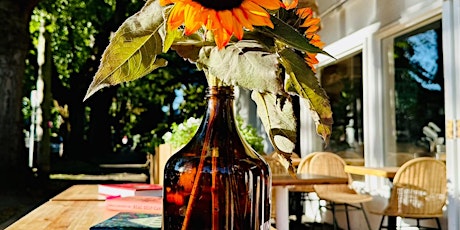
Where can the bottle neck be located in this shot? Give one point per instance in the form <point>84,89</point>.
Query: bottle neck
<point>220,111</point>
<point>220,92</point>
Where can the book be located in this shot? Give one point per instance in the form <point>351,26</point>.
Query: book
<point>138,204</point>
<point>129,220</point>
<point>130,189</point>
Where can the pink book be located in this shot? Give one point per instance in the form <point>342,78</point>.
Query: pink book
<point>138,204</point>
<point>130,189</point>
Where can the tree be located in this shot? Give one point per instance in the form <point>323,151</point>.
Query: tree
<point>80,31</point>
<point>14,42</point>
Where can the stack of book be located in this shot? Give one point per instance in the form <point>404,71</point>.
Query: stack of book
<point>130,189</point>
<point>133,197</point>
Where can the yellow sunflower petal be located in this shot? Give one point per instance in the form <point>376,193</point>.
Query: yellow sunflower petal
<point>176,17</point>
<point>304,12</point>
<point>311,60</point>
<point>251,7</point>
<point>237,29</point>
<point>212,22</point>
<point>192,18</point>
<point>165,2</point>
<point>241,17</point>
<point>258,20</point>
<point>223,23</point>
<point>312,29</point>
<point>223,17</point>
<point>310,22</point>
<point>256,15</point>
<point>267,4</point>
<point>221,37</point>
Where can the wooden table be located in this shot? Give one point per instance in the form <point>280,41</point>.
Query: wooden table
<point>82,192</point>
<point>281,186</point>
<point>64,214</point>
<point>80,206</point>
<point>354,161</point>
<point>388,172</point>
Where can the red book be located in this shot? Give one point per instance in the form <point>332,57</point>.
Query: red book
<point>138,204</point>
<point>130,189</point>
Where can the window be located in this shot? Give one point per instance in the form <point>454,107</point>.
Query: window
<point>418,93</point>
<point>343,84</point>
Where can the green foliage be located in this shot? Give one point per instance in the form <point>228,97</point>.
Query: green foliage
<point>181,134</point>
<point>249,134</point>
<point>145,107</point>
<point>73,26</point>
<point>258,62</point>
<point>142,110</point>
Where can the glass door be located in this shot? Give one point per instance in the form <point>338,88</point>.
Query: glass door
<point>415,90</point>
<point>343,83</point>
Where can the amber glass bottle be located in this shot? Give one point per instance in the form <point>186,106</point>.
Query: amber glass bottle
<point>217,181</point>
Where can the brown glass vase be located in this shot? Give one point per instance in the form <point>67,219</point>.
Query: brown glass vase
<point>217,181</point>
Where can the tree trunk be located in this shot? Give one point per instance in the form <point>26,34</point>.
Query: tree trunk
<point>99,136</point>
<point>14,17</point>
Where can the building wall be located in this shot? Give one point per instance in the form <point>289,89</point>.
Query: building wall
<point>347,17</point>
<point>350,26</point>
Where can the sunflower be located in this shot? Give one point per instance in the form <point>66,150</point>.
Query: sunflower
<point>224,18</point>
<point>311,24</point>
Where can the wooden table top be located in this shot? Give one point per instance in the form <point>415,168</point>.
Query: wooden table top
<point>306,179</point>
<point>83,192</point>
<point>80,206</point>
<point>354,161</point>
<point>64,215</point>
<point>388,172</point>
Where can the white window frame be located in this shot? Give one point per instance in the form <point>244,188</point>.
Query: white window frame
<point>377,109</point>
<point>451,54</point>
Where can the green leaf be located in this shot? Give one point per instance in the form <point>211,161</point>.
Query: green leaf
<point>277,114</point>
<point>302,81</point>
<point>133,49</point>
<point>244,64</point>
<point>290,36</point>
<point>189,47</point>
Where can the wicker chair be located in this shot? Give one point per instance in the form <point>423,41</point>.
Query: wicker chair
<point>419,191</point>
<point>332,165</point>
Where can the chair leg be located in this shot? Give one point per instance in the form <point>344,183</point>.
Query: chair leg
<point>346,214</point>
<point>334,220</point>
<point>438,223</point>
<point>365,216</point>
<point>381,222</point>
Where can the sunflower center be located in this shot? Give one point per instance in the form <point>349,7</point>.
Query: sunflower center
<point>220,4</point>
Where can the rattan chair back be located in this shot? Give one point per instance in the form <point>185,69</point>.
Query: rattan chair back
<point>419,189</point>
<point>329,164</point>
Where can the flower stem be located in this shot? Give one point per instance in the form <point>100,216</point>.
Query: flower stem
<point>193,194</point>
<point>215,190</point>
<point>199,171</point>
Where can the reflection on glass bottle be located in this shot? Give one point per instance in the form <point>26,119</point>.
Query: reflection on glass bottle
<point>217,181</point>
